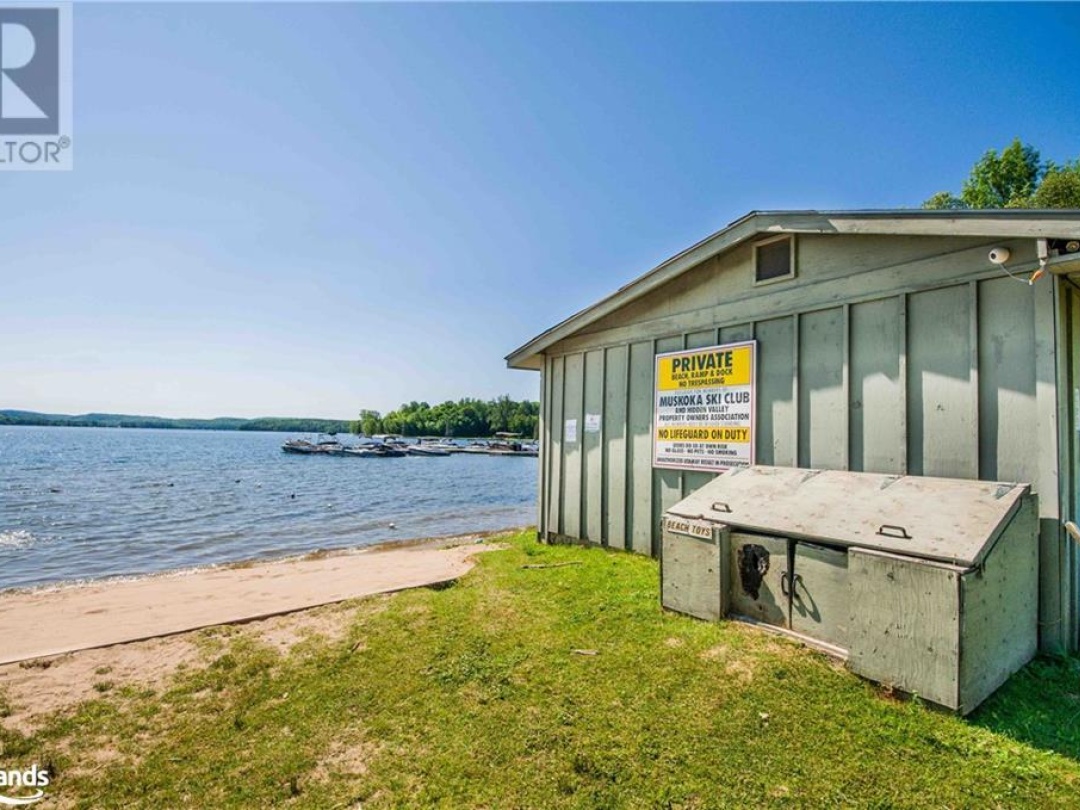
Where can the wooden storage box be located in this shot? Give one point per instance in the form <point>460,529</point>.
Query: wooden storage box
<point>926,584</point>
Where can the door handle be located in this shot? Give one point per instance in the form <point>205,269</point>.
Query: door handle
<point>789,584</point>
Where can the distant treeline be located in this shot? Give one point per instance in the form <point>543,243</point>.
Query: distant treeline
<point>117,420</point>
<point>466,417</point>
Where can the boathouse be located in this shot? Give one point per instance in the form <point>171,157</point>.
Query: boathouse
<point>942,344</point>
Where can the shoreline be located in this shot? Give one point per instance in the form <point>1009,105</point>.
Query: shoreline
<point>61,619</point>
<point>439,541</point>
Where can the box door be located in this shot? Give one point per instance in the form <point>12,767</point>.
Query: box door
<point>819,593</point>
<point>690,575</point>
<point>759,574</point>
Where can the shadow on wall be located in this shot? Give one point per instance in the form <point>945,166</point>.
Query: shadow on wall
<point>1039,706</point>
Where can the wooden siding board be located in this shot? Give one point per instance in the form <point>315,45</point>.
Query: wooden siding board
<point>572,403</point>
<point>973,366</point>
<point>941,437</point>
<point>616,365</point>
<point>545,448</point>
<point>1054,633</point>
<point>846,389</point>
<point>737,333</point>
<point>592,445</point>
<point>775,443</point>
<point>1007,413</point>
<point>876,393</point>
<point>639,457</point>
<point>667,484</point>
<point>558,459</point>
<point>1070,450</point>
<point>693,481</point>
<point>905,401</point>
<point>822,413</point>
<point>702,339</point>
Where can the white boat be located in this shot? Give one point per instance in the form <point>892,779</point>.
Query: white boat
<point>428,446</point>
<point>326,444</point>
<point>507,444</point>
<point>476,448</point>
<point>374,450</point>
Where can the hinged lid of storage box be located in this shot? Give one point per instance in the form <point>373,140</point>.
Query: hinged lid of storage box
<point>942,519</point>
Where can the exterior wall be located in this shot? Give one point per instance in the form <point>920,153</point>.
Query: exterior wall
<point>903,355</point>
<point>1067,581</point>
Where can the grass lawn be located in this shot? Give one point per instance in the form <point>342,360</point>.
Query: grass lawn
<point>477,695</point>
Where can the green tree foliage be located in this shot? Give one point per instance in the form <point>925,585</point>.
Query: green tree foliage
<point>116,420</point>
<point>466,417</point>
<point>944,200</point>
<point>1060,187</point>
<point>368,423</point>
<point>1015,178</point>
<point>1003,181</point>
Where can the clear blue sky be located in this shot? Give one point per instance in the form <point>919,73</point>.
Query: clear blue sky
<point>307,210</point>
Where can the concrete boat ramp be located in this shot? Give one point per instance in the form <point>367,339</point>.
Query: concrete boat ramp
<point>42,623</point>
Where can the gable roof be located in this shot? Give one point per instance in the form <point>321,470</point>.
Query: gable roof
<point>1004,223</point>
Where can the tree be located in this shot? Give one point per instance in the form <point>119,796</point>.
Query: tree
<point>1005,180</point>
<point>466,417</point>
<point>1016,178</point>
<point>1060,187</point>
<point>369,423</point>
<point>944,200</point>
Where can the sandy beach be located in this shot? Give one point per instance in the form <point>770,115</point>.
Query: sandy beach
<point>49,622</point>
<point>54,643</point>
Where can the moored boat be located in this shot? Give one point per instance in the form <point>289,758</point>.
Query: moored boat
<point>429,446</point>
<point>425,450</point>
<point>507,444</point>
<point>301,446</point>
<point>326,444</point>
<point>374,450</point>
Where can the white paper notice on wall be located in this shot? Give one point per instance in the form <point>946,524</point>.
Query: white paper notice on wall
<point>592,423</point>
<point>571,430</point>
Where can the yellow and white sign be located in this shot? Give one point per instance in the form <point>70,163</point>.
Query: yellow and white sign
<point>704,416</point>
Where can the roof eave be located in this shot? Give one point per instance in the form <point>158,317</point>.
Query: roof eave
<point>1004,223</point>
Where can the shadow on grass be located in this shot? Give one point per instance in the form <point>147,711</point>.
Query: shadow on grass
<point>1040,706</point>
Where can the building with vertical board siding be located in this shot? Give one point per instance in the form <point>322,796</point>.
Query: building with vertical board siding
<point>884,341</point>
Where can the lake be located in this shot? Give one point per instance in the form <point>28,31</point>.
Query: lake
<point>86,503</point>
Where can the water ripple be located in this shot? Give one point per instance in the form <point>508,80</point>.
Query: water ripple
<point>85,503</point>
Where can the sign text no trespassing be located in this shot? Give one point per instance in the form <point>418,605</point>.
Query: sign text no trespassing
<point>704,408</point>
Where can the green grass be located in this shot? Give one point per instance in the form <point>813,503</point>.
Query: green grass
<point>472,696</point>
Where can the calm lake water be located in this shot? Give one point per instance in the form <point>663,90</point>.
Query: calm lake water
<point>84,503</point>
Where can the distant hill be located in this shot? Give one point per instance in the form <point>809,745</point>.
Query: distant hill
<point>119,420</point>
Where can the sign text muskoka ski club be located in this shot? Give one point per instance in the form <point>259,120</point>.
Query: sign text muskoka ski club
<point>705,408</point>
